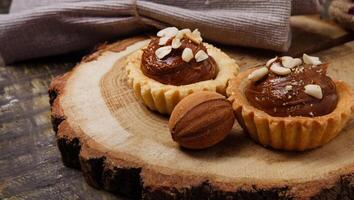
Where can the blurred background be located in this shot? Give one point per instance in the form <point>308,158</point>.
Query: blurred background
<point>4,6</point>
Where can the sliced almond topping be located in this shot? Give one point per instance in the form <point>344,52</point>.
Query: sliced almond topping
<point>163,40</point>
<point>182,32</point>
<point>187,55</point>
<point>195,36</point>
<point>311,59</point>
<point>269,62</point>
<point>176,43</point>
<point>163,51</point>
<point>197,33</point>
<point>290,62</point>
<point>168,32</point>
<point>194,39</point>
<point>200,56</point>
<point>258,74</point>
<point>314,91</point>
<point>278,69</point>
<point>297,61</point>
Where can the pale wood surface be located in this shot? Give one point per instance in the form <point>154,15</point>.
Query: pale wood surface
<point>117,126</point>
<point>30,163</point>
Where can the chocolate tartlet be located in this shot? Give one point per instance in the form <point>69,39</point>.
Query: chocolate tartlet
<point>289,105</point>
<point>284,96</point>
<point>173,70</point>
<point>176,64</point>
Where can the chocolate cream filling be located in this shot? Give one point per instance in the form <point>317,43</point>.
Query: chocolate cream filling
<point>172,70</point>
<point>273,95</point>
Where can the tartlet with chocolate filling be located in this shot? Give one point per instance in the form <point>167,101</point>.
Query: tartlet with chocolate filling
<point>176,64</point>
<point>290,103</point>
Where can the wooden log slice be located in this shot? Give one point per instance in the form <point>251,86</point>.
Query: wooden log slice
<point>123,147</point>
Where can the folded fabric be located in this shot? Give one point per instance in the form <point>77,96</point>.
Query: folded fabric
<point>37,28</point>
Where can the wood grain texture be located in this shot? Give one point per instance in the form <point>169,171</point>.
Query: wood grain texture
<point>109,146</point>
<point>30,164</point>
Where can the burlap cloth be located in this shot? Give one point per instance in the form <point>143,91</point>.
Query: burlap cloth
<point>36,28</point>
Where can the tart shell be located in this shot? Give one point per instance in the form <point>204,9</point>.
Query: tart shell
<point>289,133</point>
<point>163,98</point>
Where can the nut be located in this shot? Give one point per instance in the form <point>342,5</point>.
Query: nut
<point>311,59</point>
<point>258,74</point>
<point>195,36</point>
<point>168,32</point>
<point>290,62</point>
<point>314,91</point>
<point>187,54</point>
<point>182,32</point>
<point>200,56</point>
<point>176,43</point>
<point>163,40</point>
<point>269,62</point>
<point>278,69</point>
<point>201,120</point>
<point>197,33</point>
<point>163,51</point>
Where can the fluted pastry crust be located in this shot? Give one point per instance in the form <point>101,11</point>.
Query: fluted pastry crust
<point>289,133</point>
<point>163,98</point>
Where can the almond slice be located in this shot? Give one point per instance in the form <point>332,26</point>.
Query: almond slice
<point>182,32</point>
<point>290,62</point>
<point>314,91</point>
<point>200,56</point>
<point>197,33</point>
<point>195,36</point>
<point>163,51</point>
<point>168,32</point>
<point>269,62</point>
<point>278,69</point>
<point>176,43</point>
<point>163,40</point>
<point>258,74</point>
<point>311,59</point>
<point>187,54</point>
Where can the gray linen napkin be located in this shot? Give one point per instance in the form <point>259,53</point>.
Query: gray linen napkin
<point>37,28</point>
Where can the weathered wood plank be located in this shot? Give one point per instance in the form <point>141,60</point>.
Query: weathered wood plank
<point>311,34</point>
<point>30,164</point>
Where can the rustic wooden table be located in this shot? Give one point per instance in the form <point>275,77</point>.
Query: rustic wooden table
<point>30,163</point>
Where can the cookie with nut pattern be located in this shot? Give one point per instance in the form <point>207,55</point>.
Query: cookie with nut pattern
<point>201,120</point>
